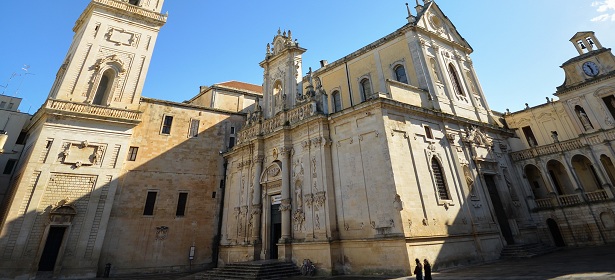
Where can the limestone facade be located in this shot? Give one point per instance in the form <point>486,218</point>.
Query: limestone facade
<point>390,153</point>
<point>565,154</point>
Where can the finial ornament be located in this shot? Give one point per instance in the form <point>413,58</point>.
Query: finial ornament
<point>279,31</point>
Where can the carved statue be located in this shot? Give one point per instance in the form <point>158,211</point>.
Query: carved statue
<point>584,120</point>
<point>299,194</point>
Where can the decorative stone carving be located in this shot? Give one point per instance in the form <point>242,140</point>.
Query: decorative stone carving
<point>285,206</point>
<point>397,203</point>
<point>273,171</point>
<point>308,199</point>
<point>319,199</point>
<point>162,232</point>
<point>80,154</point>
<point>299,194</point>
<point>317,222</point>
<point>477,137</point>
<point>298,219</point>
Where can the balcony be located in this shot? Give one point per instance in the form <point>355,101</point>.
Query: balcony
<point>124,6</point>
<point>569,200</point>
<point>89,111</point>
<point>283,118</point>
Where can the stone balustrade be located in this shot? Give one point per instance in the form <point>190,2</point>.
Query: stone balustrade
<point>289,117</point>
<point>133,9</point>
<point>569,199</point>
<point>93,110</point>
<point>599,195</point>
<point>544,203</point>
<point>556,147</point>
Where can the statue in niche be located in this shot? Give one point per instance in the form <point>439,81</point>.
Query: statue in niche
<point>583,118</point>
<point>434,70</point>
<point>554,135</point>
<point>299,194</point>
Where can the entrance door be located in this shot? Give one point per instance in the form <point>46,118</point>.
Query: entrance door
<point>52,248</point>
<point>276,231</point>
<point>557,235</point>
<point>500,214</point>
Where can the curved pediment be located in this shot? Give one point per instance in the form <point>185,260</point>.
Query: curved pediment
<point>272,173</point>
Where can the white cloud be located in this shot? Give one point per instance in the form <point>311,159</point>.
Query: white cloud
<point>606,8</point>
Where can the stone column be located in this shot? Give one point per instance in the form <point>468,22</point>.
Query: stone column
<point>256,200</point>
<point>285,207</point>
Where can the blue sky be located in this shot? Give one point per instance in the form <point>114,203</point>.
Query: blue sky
<point>518,45</point>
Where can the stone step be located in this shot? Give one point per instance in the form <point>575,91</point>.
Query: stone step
<point>271,269</point>
<point>526,250</point>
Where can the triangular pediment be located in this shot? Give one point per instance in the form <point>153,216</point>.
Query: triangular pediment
<point>433,20</point>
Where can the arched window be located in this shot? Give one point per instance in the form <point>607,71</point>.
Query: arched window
<point>104,88</point>
<point>439,178</point>
<point>400,74</point>
<point>133,2</point>
<point>455,79</point>
<point>337,101</point>
<point>366,89</point>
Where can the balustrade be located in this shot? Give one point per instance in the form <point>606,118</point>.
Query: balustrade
<point>569,199</point>
<point>289,117</point>
<point>133,9</point>
<point>83,108</point>
<point>596,196</point>
<point>544,203</point>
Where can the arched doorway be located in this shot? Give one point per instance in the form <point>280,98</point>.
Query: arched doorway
<point>558,239</point>
<point>271,230</point>
<point>560,177</point>
<point>608,167</point>
<point>60,220</point>
<point>534,178</point>
<point>586,173</point>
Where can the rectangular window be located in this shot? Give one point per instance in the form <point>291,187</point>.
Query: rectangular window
<point>132,153</point>
<point>428,133</point>
<point>231,139</point>
<point>8,168</point>
<point>150,201</point>
<point>166,125</point>
<point>181,204</point>
<point>21,139</point>
<point>194,128</point>
<point>2,104</point>
<point>529,136</point>
<point>10,106</point>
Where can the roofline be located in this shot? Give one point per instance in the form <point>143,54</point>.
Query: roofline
<point>187,105</point>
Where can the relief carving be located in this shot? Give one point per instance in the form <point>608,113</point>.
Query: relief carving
<point>308,199</point>
<point>298,219</point>
<point>397,203</point>
<point>319,199</point>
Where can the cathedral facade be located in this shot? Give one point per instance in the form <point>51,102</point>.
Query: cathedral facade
<point>388,154</point>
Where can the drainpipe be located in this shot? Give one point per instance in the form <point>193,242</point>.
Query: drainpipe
<point>217,238</point>
<point>348,80</point>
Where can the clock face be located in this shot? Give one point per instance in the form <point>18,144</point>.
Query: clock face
<point>590,69</point>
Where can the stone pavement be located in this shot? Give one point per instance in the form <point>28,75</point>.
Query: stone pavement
<point>568,263</point>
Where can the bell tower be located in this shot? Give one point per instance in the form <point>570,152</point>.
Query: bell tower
<point>83,131</point>
<point>593,62</point>
<point>107,62</point>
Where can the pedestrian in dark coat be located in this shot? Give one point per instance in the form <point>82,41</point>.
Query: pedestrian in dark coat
<point>427,268</point>
<point>418,270</point>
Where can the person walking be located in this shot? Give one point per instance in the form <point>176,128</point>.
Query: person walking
<point>418,270</point>
<point>427,268</point>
